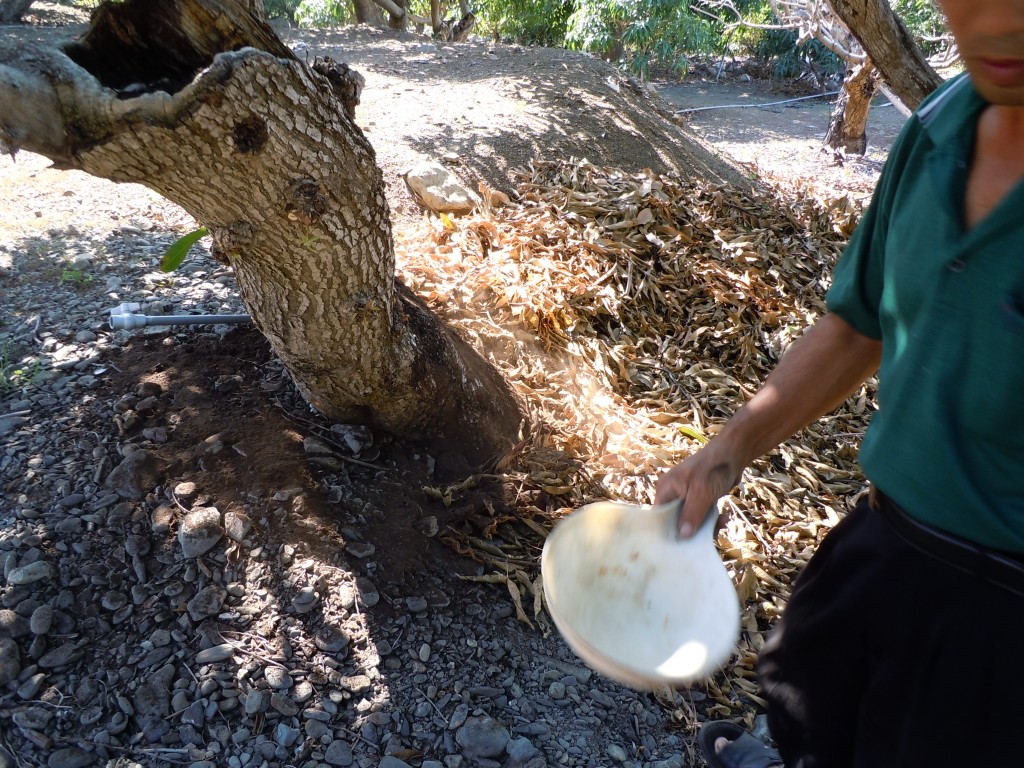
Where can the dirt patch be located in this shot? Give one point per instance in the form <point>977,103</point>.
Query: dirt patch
<point>227,419</point>
<point>782,140</point>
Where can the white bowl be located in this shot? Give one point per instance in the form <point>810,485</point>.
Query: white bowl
<point>635,602</point>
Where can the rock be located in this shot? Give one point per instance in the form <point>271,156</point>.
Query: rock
<point>10,660</point>
<point>520,751</point>
<point>13,625</point>
<point>284,704</point>
<point>206,603</point>
<point>482,736</point>
<point>253,702</point>
<point>390,761</point>
<point>60,656</point>
<point>221,652</point>
<point>31,573</point>
<point>277,677</point>
<point>71,757</point>
<point>200,531</point>
<point>42,620</point>
<point>285,735</point>
<point>331,639</point>
<point>440,190</point>
<point>136,475</point>
<point>237,525</point>
<point>338,753</point>
<point>136,545</point>
<point>617,753</point>
<point>153,697</point>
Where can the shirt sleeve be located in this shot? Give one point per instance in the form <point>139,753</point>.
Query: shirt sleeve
<point>856,292</point>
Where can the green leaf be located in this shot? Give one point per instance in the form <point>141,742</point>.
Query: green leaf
<point>693,433</point>
<point>177,252</point>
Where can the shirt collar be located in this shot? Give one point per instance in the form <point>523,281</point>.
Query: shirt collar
<point>950,116</point>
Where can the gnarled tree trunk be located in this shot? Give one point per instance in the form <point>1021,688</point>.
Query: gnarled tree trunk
<point>848,125</point>
<point>11,11</point>
<point>890,46</point>
<point>262,150</point>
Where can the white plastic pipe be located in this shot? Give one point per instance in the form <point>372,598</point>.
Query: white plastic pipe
<point>129,322</point>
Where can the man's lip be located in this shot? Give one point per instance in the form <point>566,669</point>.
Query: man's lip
<point>1003,72</point>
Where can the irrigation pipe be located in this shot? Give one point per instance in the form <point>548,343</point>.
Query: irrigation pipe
<point>124,318</point>
<point>753,106</point>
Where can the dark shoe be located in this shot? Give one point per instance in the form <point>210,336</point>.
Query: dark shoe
<point>743,751</point>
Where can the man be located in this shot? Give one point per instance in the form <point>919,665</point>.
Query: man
<point>900,645</point>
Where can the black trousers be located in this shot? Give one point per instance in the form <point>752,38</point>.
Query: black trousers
<point>888,656</point>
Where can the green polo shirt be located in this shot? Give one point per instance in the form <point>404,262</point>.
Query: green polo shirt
<point>947,442</point>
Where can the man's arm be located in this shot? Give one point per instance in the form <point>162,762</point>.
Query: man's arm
<point>817,373</point>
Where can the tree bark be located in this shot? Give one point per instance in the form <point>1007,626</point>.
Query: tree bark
<point>11,11</point>
<point>260,148</point>
<point>890,46</point>
<point>847,128</point>
<point>368,12</point>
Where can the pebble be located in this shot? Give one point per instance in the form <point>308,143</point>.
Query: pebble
<point>10,660</point>
<point>482,736</point>
<point>60,656</point>
<point>207,602</point>
<point>30,574</point>
<point>277,677</point>
<point>216,653</point>
<point>285,735</point>
<point>71,757</point>
<point>200,531</point>
<point>338,753</point>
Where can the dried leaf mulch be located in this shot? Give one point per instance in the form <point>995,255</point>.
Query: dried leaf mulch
<point>634,313</point>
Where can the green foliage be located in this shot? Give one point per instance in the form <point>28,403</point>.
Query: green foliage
<point>321,13</point>
<point>537,22</point>
<point>789,60</point>
<point>76,277</point>
<point>179,250</point>
<point>641,33</point>
<point>16,374</point>
<point>924,20</point>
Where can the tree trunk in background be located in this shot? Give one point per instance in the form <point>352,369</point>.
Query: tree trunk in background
<point>11,11</point>
<point>889,45</point>
<point>367,12</point>
<point>261,149</point>
<point>847,128</point>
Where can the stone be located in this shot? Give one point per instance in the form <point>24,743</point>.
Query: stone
<point>482,737</point>
<point>206,603</point>
<point>13,625</point>
<point>389,761</point>
<point>200,531</point>
<point>277,677</point>
<point>520,751</point>
<point>439,189</point>
<point>153,697</point>
<point>136,475</point>
<point>617,753</point>
<point>237,525</point>
<point>60,656</point>
<point>331,639</point>
<point>10,660</point>
<point>31,573</point>
<point>338,753</point>
<point>285,735</point>
<point>221,652</point>
<point>71,757</point>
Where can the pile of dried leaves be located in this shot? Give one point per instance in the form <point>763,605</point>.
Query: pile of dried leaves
<point>634,314</point>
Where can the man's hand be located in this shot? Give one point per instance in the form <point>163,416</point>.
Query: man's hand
<point>699,481</point>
